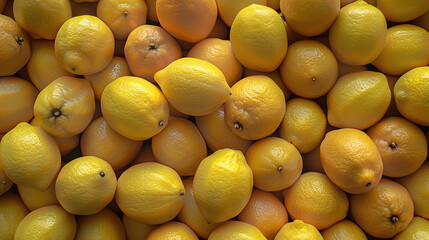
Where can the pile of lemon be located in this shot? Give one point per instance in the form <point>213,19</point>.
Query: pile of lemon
<point>214,119</point>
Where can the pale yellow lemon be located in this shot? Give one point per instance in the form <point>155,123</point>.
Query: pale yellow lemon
<point>17,96</point>
<point>134,107</point>
<point>411,94</point>
<point>35,199</point>
<point>84,45</point>
<point>358,34</point>
<point>258,37</point>
<point>85,185</point>
<point>402,11</point>
<point>105,225</point>
<point>191,215</point>
<point>172,229</point>
<point>101,141</point>
<point>344,229</point>
<point>150,193</point>
<point>313,198</point>
<point>118,67</point>
<point>276,164</point>
<point>180,146</point>
<point>298,230</point>
<point>405,48</point>
<point>256,107</point>
<point>12,210</point>
<point>304,124</point>
<point>65,107</point>
<point>237,230</point>
<point>193,86</point>
<point>228,9</point>
<point>42,19</point>
<point>275,76</point>
<point>358,100</point>
<point>222,185</point>
<point>50,222</point>
<point>30,156</point>
<point>43,67</point>
<point>418,229</point>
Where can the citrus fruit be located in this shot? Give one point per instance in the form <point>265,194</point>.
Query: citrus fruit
<point>358,100</point>
<point>358,35</point>
<point>266,212</point>
<point>101,141</point>
<point>103,225</point>
<point>401,144</point>
<point>85,185</point>
<point>35,199</point>
<point>222,185</point>
<point>275,76</point>
<point>236,230</point>
<point>150,193</point>
<point>12,210</point>
<point>19,97</point>
<point>190,20</point>
<point>344,229</point>
<point>351,160</point>
<point>298,230</point>
<point>276,164</point>
<point>15,48</point>
<point>135,230</point>
<point>138,113</point>
<point>5,182</point>
<point>402,11</point>
<point>256,107</point>
<point>417,229</point>
<point>84,45</point>
<point>171,230</point>
<point>30,157</point>
<point>384,211</point>
<point>193,86</point>
<point>309,69</point>
<point>258,38</point>
<point>180,146</point>
<point>65,107</point>
<point>344,68</point>
<point>228,10</point>
<point>50,222</point>
<point>145,155</point>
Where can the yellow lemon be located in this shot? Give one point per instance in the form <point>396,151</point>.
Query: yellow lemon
<point>12,210</point>
<point>237,230</point>
<point>5,182</point>
<point>134,107</point>
<point>298,230</point>
<point>402,11</point>
<point>222,185</point>
<point>65,107</point>
<point>172,229</point>
<point>358,100</point>
<point>256,107</point>
<point>84,45</point>
<point>418,229</point>
<point>313,198</point>
<point>344,229</point>
<point>191,215</point>
<point>258,38</point>
<point>135,230</point>
<point>276,164</point>
<point>411,94</point>
<point>35,199</point>
<point>85,185</point>
<point>193,86</point>
<point>50,222</point>
<point>104,225</point>
<point>30,157</point>
<point>150,193</point>
<point>405,48</point>
<point>358,34</point>
<point>228,10</point>
<point>41,19</point>
<point>304,124</point>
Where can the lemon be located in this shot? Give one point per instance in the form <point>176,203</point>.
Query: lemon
<point>51,222</point>
<point>298,230</point>
<point>222,185</point>
<point>258,38</point>
<point>84,45</point>
<point>135,230</point>
<point>12,211</point>
<point>35,199</point>
<point>344,229</point>
<point>411,94</point>
<point>228,10</point>
<point>104,225</point>
<point>193,86</point>
<point>402,11</point>
<point>85,185</point>
<point>30,157</point>
<point>358,100</point>
<point>172,229</point>
<point>236,230</point>
<point>134,108</point>
<point>150,193</point>
<point>5,182</point>
<point>358,34</point>
<point>416,230</point>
